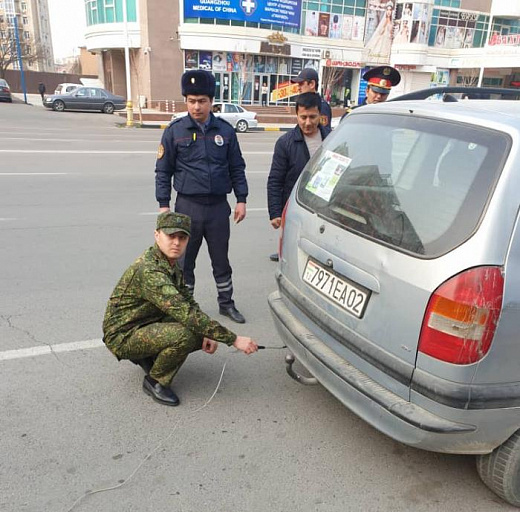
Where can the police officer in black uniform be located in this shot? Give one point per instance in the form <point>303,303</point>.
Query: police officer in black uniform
<point>202,155</point>
<point>380,81</point>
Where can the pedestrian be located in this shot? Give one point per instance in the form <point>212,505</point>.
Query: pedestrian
<point>291,153</point>
<point>380,81</point>
<point>308,81</point>
<point>152,318</point>
<point>41,90</point>
<point>265,93</point>
<point>200,152</point>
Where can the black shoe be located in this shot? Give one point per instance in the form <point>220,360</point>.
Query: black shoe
<point>159,393</point>
<point>233,313</point>
<point>274,257</point>
<point>146,363</point>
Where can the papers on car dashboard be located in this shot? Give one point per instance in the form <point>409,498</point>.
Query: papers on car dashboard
<point>330,169</point>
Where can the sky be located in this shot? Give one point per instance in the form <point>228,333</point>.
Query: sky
<point>67,25</point>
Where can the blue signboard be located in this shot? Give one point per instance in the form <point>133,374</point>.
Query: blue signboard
<point>278,12</point>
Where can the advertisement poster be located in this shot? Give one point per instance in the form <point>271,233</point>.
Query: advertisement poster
<point>191,59</point>
<point>324,21</point>
<point>335,26</point>
<point>378,45</point>
<point>375,12</point>
<point>297,66</point>
<point>205,60</point>
<point>259,64</point>
<point>346,32</point>
<point>219,61</point>
<point>358,28</point>
<point>455,29</point>
<point>278,12</point>
<point>311,23</point>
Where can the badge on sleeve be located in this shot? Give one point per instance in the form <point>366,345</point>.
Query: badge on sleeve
<point>160,152</point>
<point>324,120</point>
<point>219,140</point>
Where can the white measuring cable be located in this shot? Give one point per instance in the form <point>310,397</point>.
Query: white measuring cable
<point>126,480</point>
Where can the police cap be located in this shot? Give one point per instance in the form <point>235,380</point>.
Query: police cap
<point>382,79</point>
<point>172,222</point>
<point>198,83</point>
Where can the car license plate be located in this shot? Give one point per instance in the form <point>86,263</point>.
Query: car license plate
<point>340,291</point>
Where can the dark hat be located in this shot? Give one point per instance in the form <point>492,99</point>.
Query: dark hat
<point>198,83</point>
<point>171,222</point>
<point>382,79</point>
<point>306,75</point>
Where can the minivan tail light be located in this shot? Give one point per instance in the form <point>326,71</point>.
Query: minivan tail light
<point>282,226</point>
<point>462,315</point>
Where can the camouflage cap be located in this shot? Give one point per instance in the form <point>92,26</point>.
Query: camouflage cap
<point>171,222</point>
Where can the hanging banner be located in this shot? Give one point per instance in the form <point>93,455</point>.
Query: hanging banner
<point>278,12</point>
<point>284,92</point>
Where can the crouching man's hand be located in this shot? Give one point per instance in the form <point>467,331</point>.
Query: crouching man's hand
<point>209,346</point>
<point>246,345</point>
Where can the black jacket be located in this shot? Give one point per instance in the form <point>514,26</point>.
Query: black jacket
<point>201,163</point>
<point>289,158</point>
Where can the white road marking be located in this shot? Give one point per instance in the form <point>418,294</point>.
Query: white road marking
<point>33,173</point>
<point>49,349</point>
<point>5,219</point>
<point>104,139</point>
<point>78,151</point>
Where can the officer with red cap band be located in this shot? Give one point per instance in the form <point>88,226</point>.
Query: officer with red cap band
<point>380,82</point>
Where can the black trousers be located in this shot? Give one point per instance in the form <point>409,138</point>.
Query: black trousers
<point>210,221</point>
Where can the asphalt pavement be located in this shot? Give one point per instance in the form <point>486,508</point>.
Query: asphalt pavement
<point>77,432</point>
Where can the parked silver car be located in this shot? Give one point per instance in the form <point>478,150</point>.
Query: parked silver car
<point>399,277</point>
<point>237,116</point>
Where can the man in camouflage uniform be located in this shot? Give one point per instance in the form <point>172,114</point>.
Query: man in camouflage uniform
<point>152,318</point>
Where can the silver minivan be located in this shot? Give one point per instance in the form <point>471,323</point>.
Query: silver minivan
<point>399,277</point>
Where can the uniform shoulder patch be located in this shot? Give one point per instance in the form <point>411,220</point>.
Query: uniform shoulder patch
<point>324,120</point>
<point>160,152</point>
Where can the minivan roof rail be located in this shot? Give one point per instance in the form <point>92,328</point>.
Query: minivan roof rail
<point>475,93</point>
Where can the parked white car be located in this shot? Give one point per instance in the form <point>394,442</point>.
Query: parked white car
<point>235,115</point>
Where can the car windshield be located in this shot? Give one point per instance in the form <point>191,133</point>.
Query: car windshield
<point>419,185</point>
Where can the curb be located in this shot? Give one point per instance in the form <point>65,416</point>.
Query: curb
<point>257,129</point>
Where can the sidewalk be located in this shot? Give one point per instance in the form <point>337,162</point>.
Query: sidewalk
<point>34,100</point>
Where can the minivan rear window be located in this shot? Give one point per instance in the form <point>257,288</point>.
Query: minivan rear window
<point>419,185</point>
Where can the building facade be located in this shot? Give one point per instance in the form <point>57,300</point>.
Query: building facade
<point>34,31</point>
<point>249,43</point>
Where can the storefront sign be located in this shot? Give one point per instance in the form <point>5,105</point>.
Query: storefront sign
<point>275,49</point>
<point>334,63</point>
<point>509,40</point>
<point>278,12</point>
<point>284,92</point>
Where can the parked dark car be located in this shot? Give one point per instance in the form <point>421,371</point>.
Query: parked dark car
<point>5,92</point>
<point>86,98</point>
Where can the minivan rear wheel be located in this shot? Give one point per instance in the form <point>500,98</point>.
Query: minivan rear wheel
<point>500,469</point>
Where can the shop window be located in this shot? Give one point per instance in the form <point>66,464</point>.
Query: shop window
<point>222,22</point>
<point>265,25</point>
<point>348,10</point>
<point>207,21</point>
<point>336,9</point>
<point>312,6</point>
<point>235,23</point>
<point>359,12</point>
<point>324,8</point>
<point>191,20</point>
<point>251,24</point>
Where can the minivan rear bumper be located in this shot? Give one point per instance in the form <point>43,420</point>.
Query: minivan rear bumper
<point>402,420</point>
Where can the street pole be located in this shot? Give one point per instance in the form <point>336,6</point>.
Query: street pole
<point>486,44</point>
<point>20,61</point>
<point>129,106</point>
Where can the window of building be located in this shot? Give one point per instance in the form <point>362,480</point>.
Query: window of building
<point>457,29</point>
<point>110,11</point>
<point>24,6</point>
<point>25,20</point>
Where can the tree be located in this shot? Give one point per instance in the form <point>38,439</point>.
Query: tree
<point>30,50</point>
